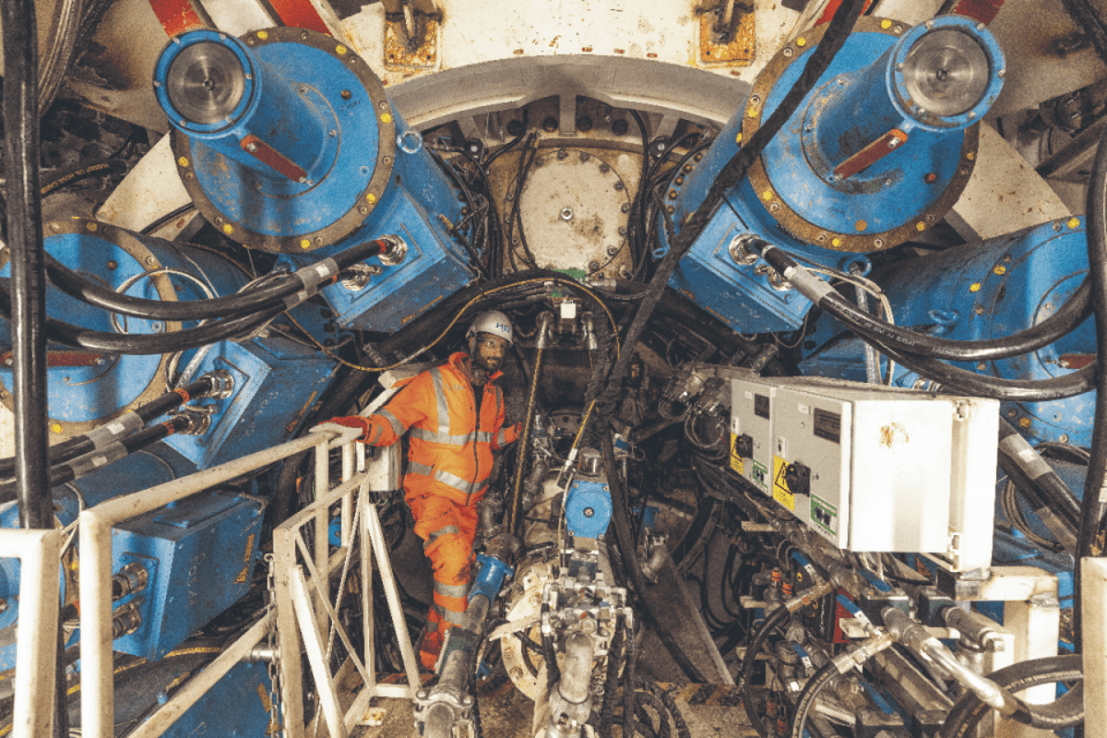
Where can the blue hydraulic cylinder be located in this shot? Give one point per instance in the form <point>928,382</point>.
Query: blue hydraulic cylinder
<point>287,142</point>
<point>490,577</point>
<point>987,291</point>
<point>88,388</point>
<point>877,152</point>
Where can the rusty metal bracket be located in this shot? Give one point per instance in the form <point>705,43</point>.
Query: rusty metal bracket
<point>727,35</point>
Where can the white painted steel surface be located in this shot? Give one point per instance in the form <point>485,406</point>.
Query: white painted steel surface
<point>37,637</point>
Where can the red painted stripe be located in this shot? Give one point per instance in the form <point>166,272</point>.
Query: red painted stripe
<point>299,14</point>
<point>984,11</point>
<point>832,7</point>
<point>176,16</point>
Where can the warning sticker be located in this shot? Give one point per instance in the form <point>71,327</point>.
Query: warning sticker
<point>781,493</point>
<point>824,515</point>
<point>759,474</point>
<point>737,463</point>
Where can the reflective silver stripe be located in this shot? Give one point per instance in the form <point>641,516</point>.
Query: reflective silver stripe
<point>501,438</point>
<point>484,437</point>
<point>450,480</point>
<point>375,434</point>
<point>397,426</point>
<point>451,590</point>
<point>440,397</point>
<point>453,618</point>
<point>433,535</point>
<point>445,438</point>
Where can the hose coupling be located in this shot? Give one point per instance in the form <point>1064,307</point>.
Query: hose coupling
<point>222,384</point>
<point>197,419</point>
<point>131,578</point>
<point>126,620</point>
<point>545,325</point>
<point>856,656</point>
<point>395,250</point>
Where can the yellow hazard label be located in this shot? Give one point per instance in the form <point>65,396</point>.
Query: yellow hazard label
<point>241,578</point>
<point>781,493</point>
<point>736,462</point>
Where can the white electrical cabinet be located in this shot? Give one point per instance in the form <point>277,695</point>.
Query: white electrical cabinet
<point>872,468</point>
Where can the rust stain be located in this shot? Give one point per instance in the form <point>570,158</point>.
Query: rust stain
<point>892,434</point>
<point>396,53</point>
<point>738,52</point>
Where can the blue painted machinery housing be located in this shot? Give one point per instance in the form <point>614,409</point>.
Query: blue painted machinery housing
<point>870,158</point>
<point>990,290</point>
<point>298,149</point>
<point>587,508</point>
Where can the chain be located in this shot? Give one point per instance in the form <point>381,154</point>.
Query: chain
<point>275,722</point>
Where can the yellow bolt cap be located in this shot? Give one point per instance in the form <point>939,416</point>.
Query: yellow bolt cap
<point>974,287</point>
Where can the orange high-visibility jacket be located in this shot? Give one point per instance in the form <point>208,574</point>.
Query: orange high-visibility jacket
<point>449,453</point>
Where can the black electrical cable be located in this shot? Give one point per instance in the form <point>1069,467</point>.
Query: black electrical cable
<point>171,215</point>
<point>249,301</point>
<point>1067,711</point>
<point>625,543</point>
<point>1090,541</point>
<point>77,445</point>
<point>745,674</point>
<point>838,30</point>
<point>525,160</point>
<point>503,150</point>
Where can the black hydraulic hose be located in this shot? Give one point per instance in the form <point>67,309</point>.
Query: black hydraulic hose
<point>1093,509</point>
<point>1014,390</point>
<point>745,674</point>
<point>22,154</point>
<point>156,343</point>
<point>76,468</point>
<point>80,171</point>
<point>839,28</point>
<point>133,420</point>
<point>625,543</point>
<point>811,691</point>
<point>249,301</point>
<point>1068,711</point>
<point>28,309</point>
<point>1050,497</point>
<point>1075,310</point>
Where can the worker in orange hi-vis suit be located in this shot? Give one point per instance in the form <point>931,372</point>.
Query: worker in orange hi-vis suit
<point>456,416</point>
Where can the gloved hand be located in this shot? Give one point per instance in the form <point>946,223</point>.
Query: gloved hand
<point>349,428</point>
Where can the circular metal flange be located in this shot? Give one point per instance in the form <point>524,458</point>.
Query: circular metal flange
<point>574,211</point>
<point>861,240</point>
<point>206,82</point>
<point>371,97</point>
<point>144,261</point>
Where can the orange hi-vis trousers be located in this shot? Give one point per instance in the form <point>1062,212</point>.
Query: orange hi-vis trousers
<point>447,530</point>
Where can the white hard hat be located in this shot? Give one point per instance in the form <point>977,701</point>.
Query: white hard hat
<point>494,322</point>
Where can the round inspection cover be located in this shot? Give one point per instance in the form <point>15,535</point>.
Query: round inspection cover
<point>574,213</point>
